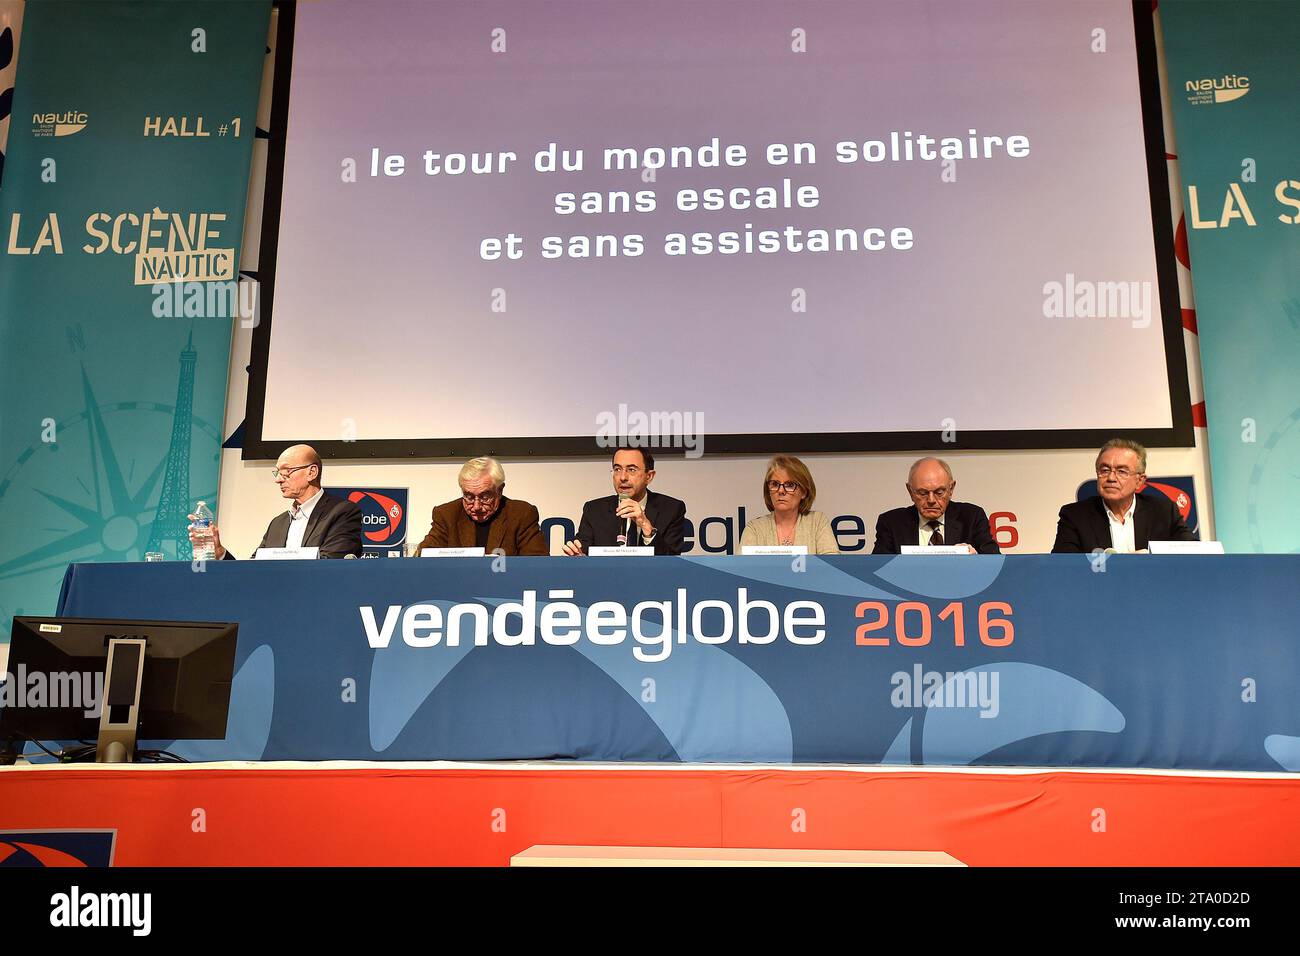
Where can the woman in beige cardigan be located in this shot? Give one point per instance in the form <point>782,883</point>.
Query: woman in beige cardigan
<point>788,492</point>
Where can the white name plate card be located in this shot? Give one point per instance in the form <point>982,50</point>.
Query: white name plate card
<point>774,549</point>
<point>287,554</point>
<point>620,551</point>
<point>934,549</point>
<point>453,552</point>
<point>1185,547</point>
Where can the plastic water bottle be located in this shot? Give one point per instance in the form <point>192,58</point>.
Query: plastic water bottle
<point>204,548</point>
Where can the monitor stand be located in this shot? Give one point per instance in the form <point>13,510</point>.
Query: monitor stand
<point>119,718</point>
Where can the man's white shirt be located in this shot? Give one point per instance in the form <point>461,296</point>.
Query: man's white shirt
<point>298,520</point>
<point>1122,537</point>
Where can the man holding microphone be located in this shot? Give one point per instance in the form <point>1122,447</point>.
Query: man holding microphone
<point>634,515</point>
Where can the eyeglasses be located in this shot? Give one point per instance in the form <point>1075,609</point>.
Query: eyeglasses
<point>1122,473</point>
<point>789,487</point>
<point>937,493</point>
<point>631,470</point>
<point>286,472</point>
<point>486,498</point>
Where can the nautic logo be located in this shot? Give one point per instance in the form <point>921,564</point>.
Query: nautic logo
<point>1209,90</point>
<point>59,124</point>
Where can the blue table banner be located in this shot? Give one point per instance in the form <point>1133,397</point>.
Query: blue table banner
<point>1049,660</point>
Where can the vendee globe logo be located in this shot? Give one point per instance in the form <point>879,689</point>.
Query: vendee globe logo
<point>1181,498</point>
<point>1222,89</point>
<point>383,515</point>
<point>380,523</point>
<point>59,124</point>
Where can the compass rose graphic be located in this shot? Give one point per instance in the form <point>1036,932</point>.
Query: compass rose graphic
<point>94,494</point>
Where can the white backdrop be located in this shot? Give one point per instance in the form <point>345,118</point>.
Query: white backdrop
<point>1031,484</point>
<point>404,252</point>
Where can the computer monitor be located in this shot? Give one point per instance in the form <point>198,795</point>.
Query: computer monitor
<point>116,681</point>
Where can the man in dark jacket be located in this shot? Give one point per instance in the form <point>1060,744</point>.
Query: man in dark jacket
<point>314,519</point>
<point>1119,518</point>
<point>934,518</point>
<point>634,515</point>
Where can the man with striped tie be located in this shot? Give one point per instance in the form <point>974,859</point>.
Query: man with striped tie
<point>934,518</point>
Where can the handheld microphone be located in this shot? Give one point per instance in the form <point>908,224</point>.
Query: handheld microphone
<point>621,540</point>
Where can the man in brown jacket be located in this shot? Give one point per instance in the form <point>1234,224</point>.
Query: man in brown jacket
<point>483,517</point>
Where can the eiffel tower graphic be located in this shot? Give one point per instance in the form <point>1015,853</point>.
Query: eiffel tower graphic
<point>170,522</point>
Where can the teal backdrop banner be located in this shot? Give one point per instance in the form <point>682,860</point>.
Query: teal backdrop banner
<point>1233,82</point>
<point>121,215</point>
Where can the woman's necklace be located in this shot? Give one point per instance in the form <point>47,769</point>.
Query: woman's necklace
<point>785,539</point>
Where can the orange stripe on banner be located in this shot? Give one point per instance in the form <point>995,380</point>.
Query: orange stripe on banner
<point>1189,320</point>
<point>389,816</point>
<point>1198,415</point>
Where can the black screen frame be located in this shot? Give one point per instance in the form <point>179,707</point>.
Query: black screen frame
<point>1179,435</point>
<point>171,680</point>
